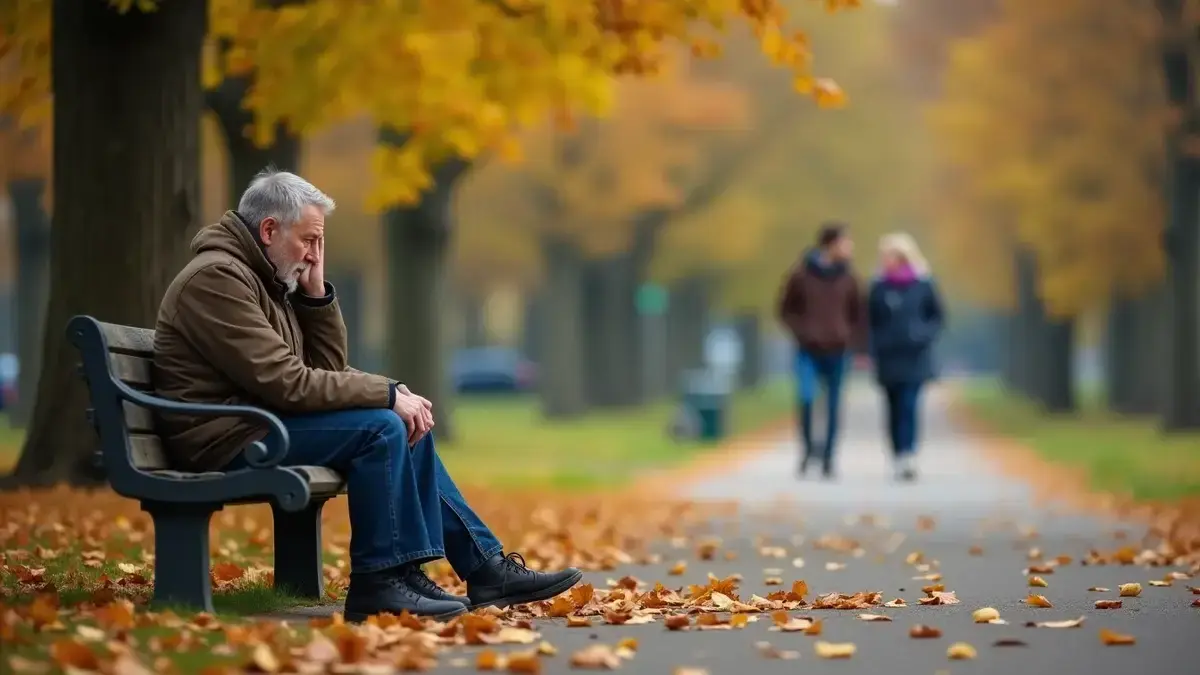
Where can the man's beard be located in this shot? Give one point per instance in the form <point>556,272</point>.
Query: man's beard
<point>287,272</point>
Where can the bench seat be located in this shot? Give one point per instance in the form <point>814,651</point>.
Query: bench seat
<point>117,365</point>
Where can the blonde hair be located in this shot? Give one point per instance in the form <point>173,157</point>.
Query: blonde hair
<point>903,245</point>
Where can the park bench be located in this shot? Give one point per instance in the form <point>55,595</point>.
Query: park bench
<point>117,366</point>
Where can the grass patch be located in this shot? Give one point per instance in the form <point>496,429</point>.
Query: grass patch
<point>505,443</point>
<point>1120,454</point>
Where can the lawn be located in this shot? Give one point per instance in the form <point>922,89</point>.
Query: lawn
<point>1120,454</point>
<point>503,442</point>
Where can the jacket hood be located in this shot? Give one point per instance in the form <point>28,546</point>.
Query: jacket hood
<point>231,235</point>
<point>813,264</point>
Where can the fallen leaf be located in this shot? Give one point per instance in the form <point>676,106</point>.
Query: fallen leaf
<point>523,662</point>
<point>1108,604</point>
<point>678,568</point>
<point>1035,600</point>
<point>960,650</point>
<point>975,550</point>
<point>1037,582</point>
<point>898,602</point>
<point>834,566</point>
<point>874,617</point>
<point>1159,584</point>
<point>939,598</point>
<point>596,657</point>
<point>1067,623</point>
<point>1129,590</point>
<point>1009,642</point>
<point>1099,589</point>
<point>922,632</point>
<point>985,615</point>
<point>1112,638</point>
<point>834,650</point>
<point>770,652</point>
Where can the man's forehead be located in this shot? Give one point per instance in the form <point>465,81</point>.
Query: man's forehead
<point>312,222</point>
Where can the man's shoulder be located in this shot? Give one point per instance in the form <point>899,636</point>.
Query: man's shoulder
<point>212,267</point>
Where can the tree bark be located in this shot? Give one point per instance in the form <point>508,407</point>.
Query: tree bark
<point>749,328</point>
<point>245,158</point>
<point>531,325</point>
<point>1182,236</point>
<point>561,375</point>
<point>127,104</point>
<point>1059,371</point>
<point>33,285</point>
<point>1030,326</point>
<point>1119,356</point>
<point>687,327</point>
<point>611,331</point>
<point>418,246</point>
<point>474,318</point>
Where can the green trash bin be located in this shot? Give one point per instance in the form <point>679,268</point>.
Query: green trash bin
<point>706,397</point>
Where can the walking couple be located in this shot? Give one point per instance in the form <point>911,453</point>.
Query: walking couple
<point>896,322</point>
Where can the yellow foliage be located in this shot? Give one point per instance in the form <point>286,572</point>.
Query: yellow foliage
<point>1067,160</point>
<point>463,76</point>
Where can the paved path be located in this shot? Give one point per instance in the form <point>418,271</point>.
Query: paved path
<point>971,506</point>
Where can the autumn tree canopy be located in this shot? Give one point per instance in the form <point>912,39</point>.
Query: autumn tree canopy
<point>1041,151</point>
<point>458,77</point>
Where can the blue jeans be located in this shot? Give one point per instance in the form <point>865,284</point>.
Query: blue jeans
<point>404,508</point>
<point>903,401</point>
<point>829,369</point>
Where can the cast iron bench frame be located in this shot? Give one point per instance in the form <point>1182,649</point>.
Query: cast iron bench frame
<point>118,367</point>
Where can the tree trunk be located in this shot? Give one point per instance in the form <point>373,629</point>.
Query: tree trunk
<point>474,317</point>
<point>126,196</point>
<point>611,331</point>
<point>531,325</point>
<point>418,244</point>
<point>33,285</point>
<point>561,377</point>
<point>1120,359</point>
<point>1182,235</point>
<point>1148,381</point>
<point>687,327</point>
<point>246,159</point>
<point>1059,371</point>
<point>1182,403</point>
<point>350,292</point>
<point>1028,345</point>
<point>1011,363</point>
<point>749,328</point>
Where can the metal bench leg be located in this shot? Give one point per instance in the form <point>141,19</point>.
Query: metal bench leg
<point>181,554</point>
<point>298,550</point>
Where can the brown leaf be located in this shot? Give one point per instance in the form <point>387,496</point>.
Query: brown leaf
<point>960,650</point>
<point>596,657</point>
<point>1108,604</point>
<point>69,653</point>
<point>834,650</point>
<point>940,598</point>
<point>1035,600</point>
<point>874,617</point>
<point>1112,638</point>
<point>524,662</point>
<point>678,568</point>
<point>1067,623</point>
<point>581,621</point>
<point>1009,642</point>
<point>677,622</point>
<point>1129,590</point>
<point>225,572</point>
<point>921,631</point>
<point>1037,582</point>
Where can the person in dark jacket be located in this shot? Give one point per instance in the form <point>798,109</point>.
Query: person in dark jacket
<point>906,317</point>
<point>821,306</point>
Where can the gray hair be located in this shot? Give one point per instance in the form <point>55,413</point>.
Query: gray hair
<point>282,196</point>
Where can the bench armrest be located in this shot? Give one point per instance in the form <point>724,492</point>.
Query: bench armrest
<point>258,454</point>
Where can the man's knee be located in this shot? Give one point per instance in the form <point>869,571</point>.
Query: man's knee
<point>381,422</point>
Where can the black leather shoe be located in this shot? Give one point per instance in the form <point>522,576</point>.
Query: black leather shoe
<point>505,581</point>
<point>389,592</point>
<point>416,579</point>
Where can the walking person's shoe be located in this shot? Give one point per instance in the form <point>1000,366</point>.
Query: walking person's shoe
<point>420,582</point>
<point>505,580</point>
<point>805,461</point>
<point>390,591</point>
<point>906,468</point>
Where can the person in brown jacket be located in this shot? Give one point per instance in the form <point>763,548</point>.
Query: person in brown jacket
<point>251,320</point>
<point>822,307</point>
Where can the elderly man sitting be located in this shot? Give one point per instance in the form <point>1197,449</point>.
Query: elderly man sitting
<point>252,320</point>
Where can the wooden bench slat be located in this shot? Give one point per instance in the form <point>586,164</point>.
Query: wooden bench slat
<point>147,452</point>
<point>128,339</point>
<point>138,419</point>
<point>132,370</point>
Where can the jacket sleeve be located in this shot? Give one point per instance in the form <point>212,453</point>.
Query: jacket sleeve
<point>325,340</point>
<point>932,318</point>
<point>220,315</point>
<point>791,304</point>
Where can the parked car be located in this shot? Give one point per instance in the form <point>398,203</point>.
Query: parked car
<point>10,369</point>
<point>492,370</point>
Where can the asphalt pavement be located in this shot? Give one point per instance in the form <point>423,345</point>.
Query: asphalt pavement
<point>978,530</point>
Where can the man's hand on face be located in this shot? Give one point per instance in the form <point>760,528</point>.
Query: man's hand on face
<point>312,279</point>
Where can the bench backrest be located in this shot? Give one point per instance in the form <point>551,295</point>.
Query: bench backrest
<point>131,360</point>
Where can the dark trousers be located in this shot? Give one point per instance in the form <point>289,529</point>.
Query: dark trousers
<point>404,507</point>
<point>903,401</point>
<point>827,369</point>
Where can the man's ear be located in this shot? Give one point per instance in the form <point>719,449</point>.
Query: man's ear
<point>267,229</point>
